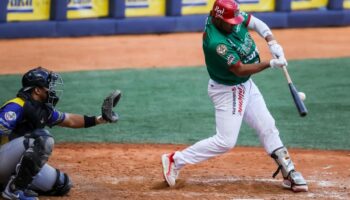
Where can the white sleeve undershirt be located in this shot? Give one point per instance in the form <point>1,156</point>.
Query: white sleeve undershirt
<point>259,26</point>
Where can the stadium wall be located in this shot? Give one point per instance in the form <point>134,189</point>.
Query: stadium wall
<point>67,18</point>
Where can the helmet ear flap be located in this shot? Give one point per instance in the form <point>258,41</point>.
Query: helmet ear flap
<point>53,98</point>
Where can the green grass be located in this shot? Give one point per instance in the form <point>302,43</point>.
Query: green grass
<point>172,106</point>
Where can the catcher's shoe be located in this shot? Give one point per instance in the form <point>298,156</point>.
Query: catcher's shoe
<point>12,193</point>
<point>295,182</point>
<point>169,172</point>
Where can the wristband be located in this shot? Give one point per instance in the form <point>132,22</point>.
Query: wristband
<point>89,121</point>
<point>272,42</point>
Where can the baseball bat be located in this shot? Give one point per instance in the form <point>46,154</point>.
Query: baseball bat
<point>298,102</point>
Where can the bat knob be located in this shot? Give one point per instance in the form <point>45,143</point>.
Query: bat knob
<point>303,114</point>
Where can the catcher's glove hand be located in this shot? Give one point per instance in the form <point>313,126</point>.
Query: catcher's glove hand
<point>108,104</point>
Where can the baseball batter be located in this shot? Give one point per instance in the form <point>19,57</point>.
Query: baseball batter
<point>231,57</point>
<point>26,146</point>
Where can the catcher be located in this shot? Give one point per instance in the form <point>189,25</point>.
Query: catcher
<point>25,143</point>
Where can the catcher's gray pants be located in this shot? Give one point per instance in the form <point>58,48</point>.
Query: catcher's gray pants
<point>10,156</point>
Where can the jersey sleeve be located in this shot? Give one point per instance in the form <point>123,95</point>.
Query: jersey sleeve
<point>246,19</point>
<point>56,118</point>
<point>10,115</point>
<point>226,55</point>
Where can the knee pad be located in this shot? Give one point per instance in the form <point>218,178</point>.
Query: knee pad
<point>62,185</point>
<point>28,167</point>
<point>43,141</point>
<point>42,145</point>
<point>36,155</point>
<point>284,162</point>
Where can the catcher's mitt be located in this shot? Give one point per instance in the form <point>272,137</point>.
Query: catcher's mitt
<point>108,104</point>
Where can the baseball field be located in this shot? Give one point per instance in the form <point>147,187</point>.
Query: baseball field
<point>165,107</point>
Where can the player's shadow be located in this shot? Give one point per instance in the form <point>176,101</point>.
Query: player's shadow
<point>164,185</point>
<point>222,184</point>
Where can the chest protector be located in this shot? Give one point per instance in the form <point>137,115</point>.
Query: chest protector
<point>35,116</point>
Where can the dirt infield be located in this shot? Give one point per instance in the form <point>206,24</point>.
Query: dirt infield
<point>130,171</point>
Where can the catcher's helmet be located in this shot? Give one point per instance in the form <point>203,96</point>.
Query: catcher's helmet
<point>41,77</point>
<point>228,11</point>
<point>37,77</point>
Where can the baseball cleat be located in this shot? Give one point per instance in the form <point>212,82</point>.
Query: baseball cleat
<point>169,172</point>
<point>12,193</point>
<point>295,182</point>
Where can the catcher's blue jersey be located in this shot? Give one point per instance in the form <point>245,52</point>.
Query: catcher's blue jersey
<point>11,114</point>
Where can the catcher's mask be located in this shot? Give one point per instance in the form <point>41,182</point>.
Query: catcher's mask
<point>41,77</point>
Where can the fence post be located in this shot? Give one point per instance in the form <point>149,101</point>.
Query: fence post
<point>173,7</point>
<point>117,9</point>
<point>3,10</point>
<point>283,5</point>
<point>58,10</point>
<point>335,5</point>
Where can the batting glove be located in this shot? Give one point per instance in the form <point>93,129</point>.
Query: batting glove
<point>275,49</point>
<point>278,63</point>
<point>284,60</point>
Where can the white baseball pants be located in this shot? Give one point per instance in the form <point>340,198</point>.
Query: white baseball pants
<point>232,105</point>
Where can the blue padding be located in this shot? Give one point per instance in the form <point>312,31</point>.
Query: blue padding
<point>27,29</point>
<point>190,23</point>
<point>346,19</point>
<point>274,19</point>
<point>315,18</point>
<point>194,23</point>
<point>145,25</point>
<point>85,27</point>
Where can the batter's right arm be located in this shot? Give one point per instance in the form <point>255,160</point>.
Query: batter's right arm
<point>261,28</point>
<point>265,32</point>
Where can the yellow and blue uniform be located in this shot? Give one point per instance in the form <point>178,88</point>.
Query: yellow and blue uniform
<point>26,144</point>
<point>17,117</point>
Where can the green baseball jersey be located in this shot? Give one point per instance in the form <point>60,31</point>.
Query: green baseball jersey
<point>222,51</point>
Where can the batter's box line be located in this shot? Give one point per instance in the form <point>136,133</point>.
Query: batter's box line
<point>237,179</point>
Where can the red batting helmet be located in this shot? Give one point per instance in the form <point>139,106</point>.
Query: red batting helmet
<point>228,11</point>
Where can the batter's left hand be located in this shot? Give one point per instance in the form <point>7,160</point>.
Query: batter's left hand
<point>278,63</point>
<point>276,49</point>
<point>284,60</point>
